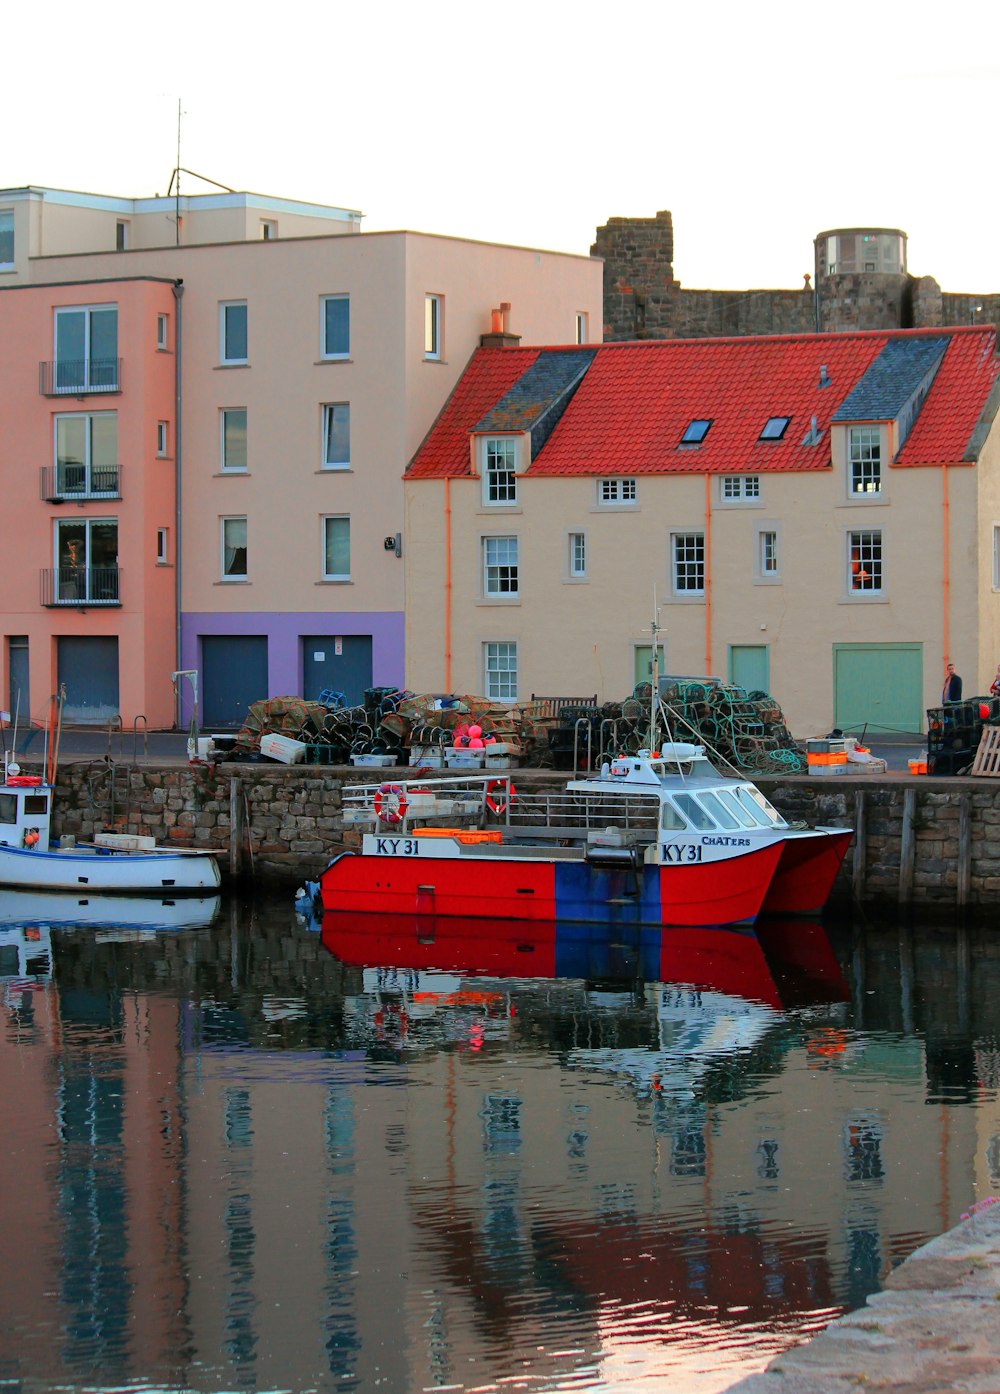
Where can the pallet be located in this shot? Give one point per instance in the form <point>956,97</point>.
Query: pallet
<point>987,761</point>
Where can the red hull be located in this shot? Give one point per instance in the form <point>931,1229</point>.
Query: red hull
<point>806,873</point>
<point>728,891</point>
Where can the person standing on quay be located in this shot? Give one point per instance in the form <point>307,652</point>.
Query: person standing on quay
<point>952,685</point>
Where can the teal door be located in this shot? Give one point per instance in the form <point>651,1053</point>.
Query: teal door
<point>878,685</point>
<point>644,663</point>
<point>749,667</point>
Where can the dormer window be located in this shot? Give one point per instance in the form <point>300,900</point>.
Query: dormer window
<point>499,472</point>
<point>775,428</point>
<point>695,432</point>
<point>864,446</point>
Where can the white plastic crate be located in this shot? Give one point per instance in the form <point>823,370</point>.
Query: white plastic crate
<point>379,762</point>
<point>282,748</point>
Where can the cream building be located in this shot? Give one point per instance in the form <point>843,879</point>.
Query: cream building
<point>817,516</point>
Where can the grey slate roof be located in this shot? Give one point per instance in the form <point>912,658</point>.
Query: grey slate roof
<point>551,379</point>
<point>892,379</point>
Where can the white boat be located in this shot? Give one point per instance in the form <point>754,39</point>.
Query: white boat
<point>116,864</point>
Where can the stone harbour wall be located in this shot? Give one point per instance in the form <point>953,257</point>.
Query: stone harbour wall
<point>936,841</point>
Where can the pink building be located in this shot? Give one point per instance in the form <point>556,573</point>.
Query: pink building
<point>311,360</point>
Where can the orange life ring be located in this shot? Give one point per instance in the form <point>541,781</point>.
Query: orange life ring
<point>508,794</point>
<point>390,803</point>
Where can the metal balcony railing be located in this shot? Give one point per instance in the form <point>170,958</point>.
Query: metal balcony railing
<point>70,480</point>
<point>74,377</point>
<point>81,585</point>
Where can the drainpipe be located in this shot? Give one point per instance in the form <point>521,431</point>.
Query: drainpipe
<point>708,575</point>
<point>447,584</point>
<point>178,290</point>
<point>946,567</point>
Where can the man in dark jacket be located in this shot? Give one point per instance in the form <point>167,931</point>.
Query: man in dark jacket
<point>952,685</point>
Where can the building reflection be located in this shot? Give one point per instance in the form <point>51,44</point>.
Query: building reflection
<point>254,1157</point>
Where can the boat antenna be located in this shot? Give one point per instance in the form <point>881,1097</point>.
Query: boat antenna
<point>654,697</point>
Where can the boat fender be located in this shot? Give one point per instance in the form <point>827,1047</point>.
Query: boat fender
<point>498,794</point>
<point>390,803</point>
<point>31,837</point>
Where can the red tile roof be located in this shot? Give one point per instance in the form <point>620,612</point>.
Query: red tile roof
<point>635,401</point>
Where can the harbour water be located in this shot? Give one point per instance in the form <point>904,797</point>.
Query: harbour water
<point>242,1151</point>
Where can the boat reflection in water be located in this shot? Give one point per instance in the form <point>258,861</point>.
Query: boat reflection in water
<point>107,914</point>
<point>736,981</point>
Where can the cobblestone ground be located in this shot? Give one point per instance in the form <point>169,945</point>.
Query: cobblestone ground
<point>934,1329</point>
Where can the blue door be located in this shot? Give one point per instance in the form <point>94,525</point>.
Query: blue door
<point>233,675</point>
<point>337,663</point>
<point>88,669</point>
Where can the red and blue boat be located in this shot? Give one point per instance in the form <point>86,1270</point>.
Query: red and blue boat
<point>656,838</point>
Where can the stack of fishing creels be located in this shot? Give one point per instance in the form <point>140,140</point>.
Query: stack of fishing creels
<point>746,728</point>
<point>954,731</point>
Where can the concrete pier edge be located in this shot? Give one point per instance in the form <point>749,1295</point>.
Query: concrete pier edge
<point>935,1326</point>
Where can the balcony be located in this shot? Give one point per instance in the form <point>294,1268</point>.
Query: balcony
<point>76,377</point>
<point>81,585</point>
<point>76,482</point>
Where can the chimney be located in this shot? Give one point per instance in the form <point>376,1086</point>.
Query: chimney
<point>499,336</point>
<point>824,376</point>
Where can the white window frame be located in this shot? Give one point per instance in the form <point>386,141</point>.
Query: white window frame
<point>856,557</point>
<point>162,332</point>
<point>499,476</point>
<point>865,475</point>
<point>767,554</point>
<point>7,216</point>
<point>239,577</point>
<point>576,555</point>
<point>224,466</point>
<point>268,230</point>
<point>91,471</point>
<point>617,492</point>
<point>325,521</point>
<point>739,488</point>
<point>162,439</point>
<point>224,308</point>
<point>684,549</point>
<point>501,561</point>
<point>434,327</point>
<point>330,409</point>
<point>88,384</point>
<point>500,663</point>
<point>582,327</point>
<point>86,565</point>
<point>162,546</point>
<point>341,355</point>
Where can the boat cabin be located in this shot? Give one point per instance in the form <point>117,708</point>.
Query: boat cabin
<point>24,811</point>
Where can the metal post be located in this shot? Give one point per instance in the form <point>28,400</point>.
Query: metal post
<point>859,868</point>
<point>964,849</point>
<point>235,828</point>
<point>907,847</point>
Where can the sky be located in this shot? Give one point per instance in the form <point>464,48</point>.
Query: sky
<point>533,123</point>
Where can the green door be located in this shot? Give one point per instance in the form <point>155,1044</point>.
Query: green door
<point>748,667</point>
<point>644,663</point>
<point>878,685</point>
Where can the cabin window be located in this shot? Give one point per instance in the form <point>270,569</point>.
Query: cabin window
<point>670,819</point>
<point>718,812</point>
<point>36,803</point>
<point>8,808</point>
<point>697,816</point>
<point>734,808</point>
<point>757,806</point>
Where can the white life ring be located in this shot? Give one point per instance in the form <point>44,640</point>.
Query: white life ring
<point>390,803</point>
<point>497,802</point>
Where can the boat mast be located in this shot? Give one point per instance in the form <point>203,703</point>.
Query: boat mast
<point>654,697</point>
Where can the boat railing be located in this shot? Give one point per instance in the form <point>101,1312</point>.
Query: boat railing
<point>591,811</point>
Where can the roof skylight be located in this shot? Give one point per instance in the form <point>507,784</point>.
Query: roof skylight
<point>696,432</point>
<point>775,428</point>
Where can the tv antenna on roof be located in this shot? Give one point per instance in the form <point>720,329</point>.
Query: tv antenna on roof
<point>175,180</point>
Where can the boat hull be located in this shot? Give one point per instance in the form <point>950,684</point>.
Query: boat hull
<point>533,889</point>
<point>804,878</point>
<point>109,872</point>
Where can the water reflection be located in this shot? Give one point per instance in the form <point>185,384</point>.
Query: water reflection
<point>244,1155</point>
